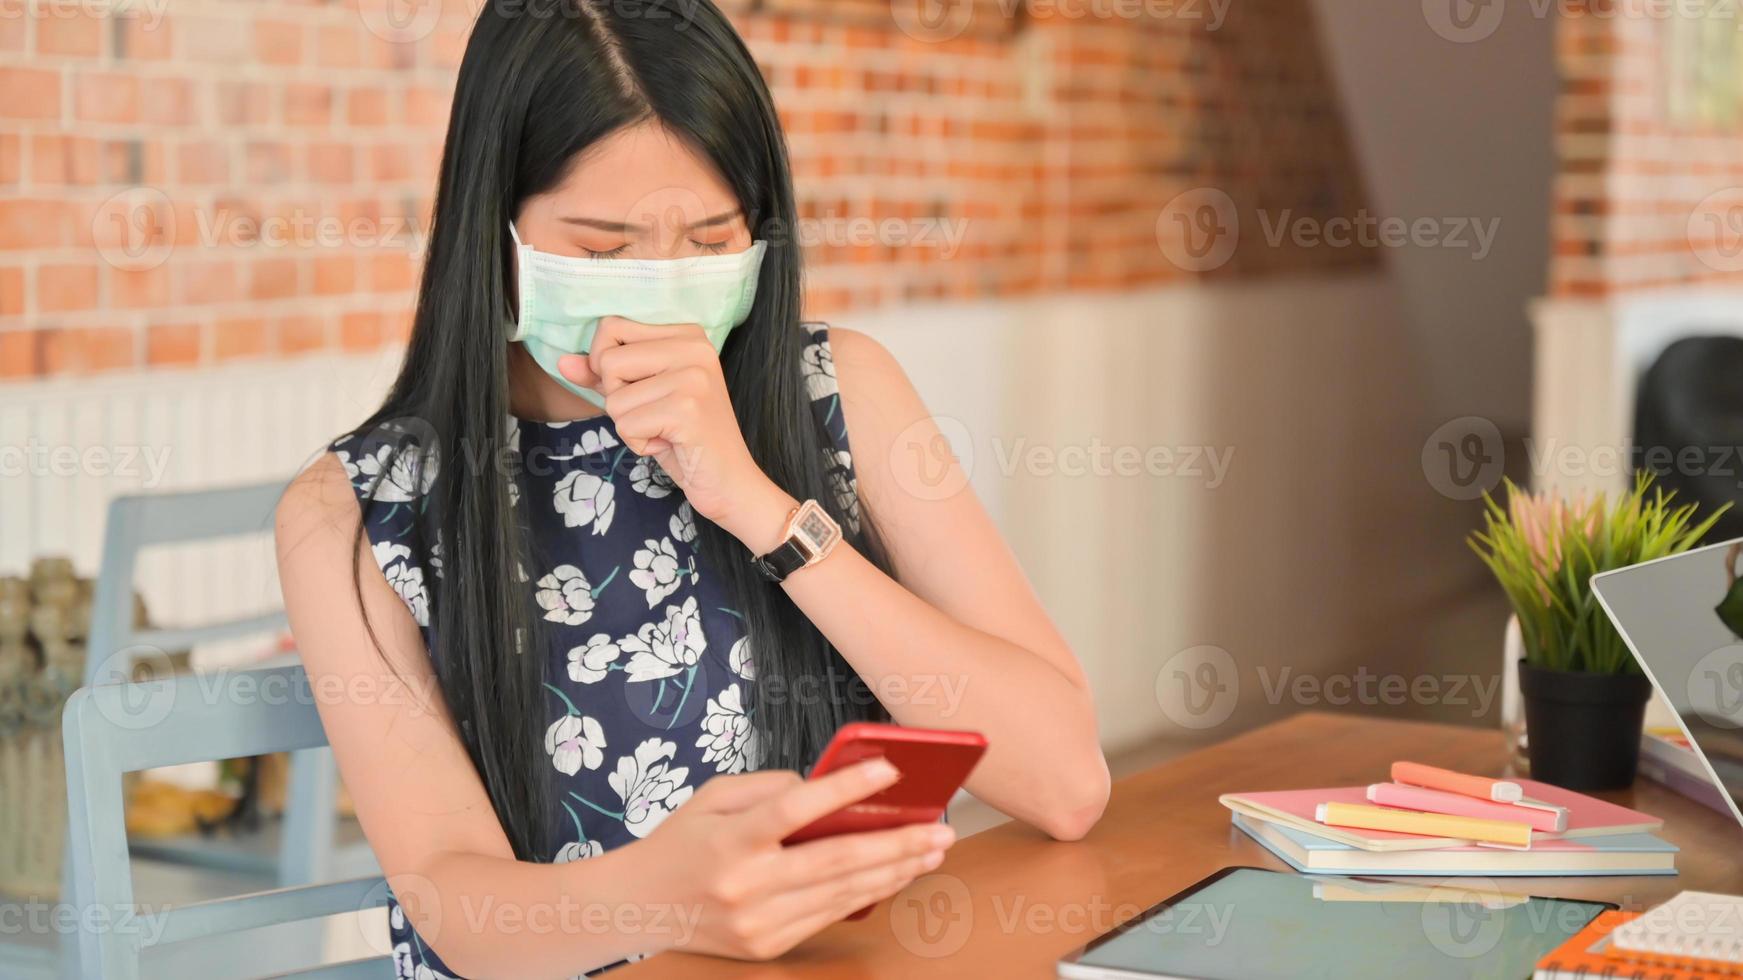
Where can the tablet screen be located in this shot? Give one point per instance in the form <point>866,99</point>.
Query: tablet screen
<point>1249,924</point>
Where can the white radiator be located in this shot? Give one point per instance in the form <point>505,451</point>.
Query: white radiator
<point>69,446</point>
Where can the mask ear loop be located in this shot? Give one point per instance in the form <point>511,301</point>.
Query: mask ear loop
<point>520,282</point>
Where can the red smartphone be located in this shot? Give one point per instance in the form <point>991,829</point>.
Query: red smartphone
<point>933,764</point>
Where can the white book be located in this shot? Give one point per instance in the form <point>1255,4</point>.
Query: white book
<point>1701,925</point>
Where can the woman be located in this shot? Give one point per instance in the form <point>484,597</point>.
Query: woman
<point>555,539</point>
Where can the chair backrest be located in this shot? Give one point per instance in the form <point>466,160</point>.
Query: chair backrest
<point>140,521</point>
<point>115,729</point>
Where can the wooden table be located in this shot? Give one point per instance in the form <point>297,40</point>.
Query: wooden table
<point>1009,902</point>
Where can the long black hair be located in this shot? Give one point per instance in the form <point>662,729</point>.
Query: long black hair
<point>541,81</point>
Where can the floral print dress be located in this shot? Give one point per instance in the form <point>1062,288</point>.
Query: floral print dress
<point>650,668</point>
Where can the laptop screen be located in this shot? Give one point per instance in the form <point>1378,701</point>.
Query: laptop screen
<point>1683,618</point>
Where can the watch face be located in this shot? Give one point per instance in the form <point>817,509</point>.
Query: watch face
<point>816,528</point>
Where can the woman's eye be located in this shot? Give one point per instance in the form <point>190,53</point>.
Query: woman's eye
<point>609,254</point>
<point>712,248</point>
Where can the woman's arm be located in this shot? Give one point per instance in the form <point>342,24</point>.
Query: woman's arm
<point>712,878</point>
<point>960,641</point>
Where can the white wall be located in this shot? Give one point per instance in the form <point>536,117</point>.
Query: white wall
<point>1444,129</point>
<point>1324,549</point>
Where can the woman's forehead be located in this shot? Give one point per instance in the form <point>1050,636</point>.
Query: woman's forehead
<point>640,175</point>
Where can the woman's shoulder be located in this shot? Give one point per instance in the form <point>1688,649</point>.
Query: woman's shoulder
<point>318,501</point>
<point>833,353</point>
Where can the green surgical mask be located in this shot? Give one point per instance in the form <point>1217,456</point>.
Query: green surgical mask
<point>562,299</point>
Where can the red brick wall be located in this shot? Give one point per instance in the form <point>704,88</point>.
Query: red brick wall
<point>195,181</point>
<point>1649,130</point>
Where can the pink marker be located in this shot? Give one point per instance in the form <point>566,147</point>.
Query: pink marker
<point>1548,820</point>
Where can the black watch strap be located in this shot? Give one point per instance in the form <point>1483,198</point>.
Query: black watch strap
<point>781,562</point>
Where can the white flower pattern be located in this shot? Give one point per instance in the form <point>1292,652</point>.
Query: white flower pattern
<point>405,576</point>
<point>646,698</point>
<point>666,648</point>
<point>589,664</point>
<point>727,739</point>
<point>683,523</point>
<point>656,570</point>
<point>390,474</point>
<point>566,596</point>
<point>648,479</point>
<point>649,786</point>
<point>584,499</point>
<point>574,741</point>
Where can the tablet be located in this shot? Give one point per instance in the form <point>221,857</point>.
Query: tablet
<point>1254,924</point>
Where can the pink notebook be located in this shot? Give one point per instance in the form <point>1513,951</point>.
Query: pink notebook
<point>1587,816</point>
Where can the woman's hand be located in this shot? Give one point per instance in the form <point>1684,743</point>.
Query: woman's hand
<point>664,389</point>
<point>721,853</point>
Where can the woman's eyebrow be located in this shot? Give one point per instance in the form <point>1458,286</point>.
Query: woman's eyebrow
<point>619,227</point>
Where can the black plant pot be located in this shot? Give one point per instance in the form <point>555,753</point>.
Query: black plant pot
<point>1583,730</point>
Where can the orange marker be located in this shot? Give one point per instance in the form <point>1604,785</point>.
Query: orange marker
<point>1447,781</point>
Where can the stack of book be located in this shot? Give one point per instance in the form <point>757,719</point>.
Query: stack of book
<point>1694,936</point>
<point>1430,821</point>
<point>1667,758</point>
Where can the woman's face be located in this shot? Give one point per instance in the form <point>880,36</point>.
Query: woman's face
<point>640,193</point>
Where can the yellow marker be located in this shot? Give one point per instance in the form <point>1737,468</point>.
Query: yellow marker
<point>1505,833</point>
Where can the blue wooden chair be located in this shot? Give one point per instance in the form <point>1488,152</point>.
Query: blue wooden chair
<point>113,729</point>
<point>137,522</point>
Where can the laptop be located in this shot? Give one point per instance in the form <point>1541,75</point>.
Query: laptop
<point>1682,617</point>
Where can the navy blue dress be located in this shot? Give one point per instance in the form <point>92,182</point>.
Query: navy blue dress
<point>650,670</point>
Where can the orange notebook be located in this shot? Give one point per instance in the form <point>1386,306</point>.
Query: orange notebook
<point>1587,957</point>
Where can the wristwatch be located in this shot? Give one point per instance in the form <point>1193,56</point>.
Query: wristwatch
<point>810,535</point>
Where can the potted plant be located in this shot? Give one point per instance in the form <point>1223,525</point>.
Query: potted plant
<point>1585,696</point>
